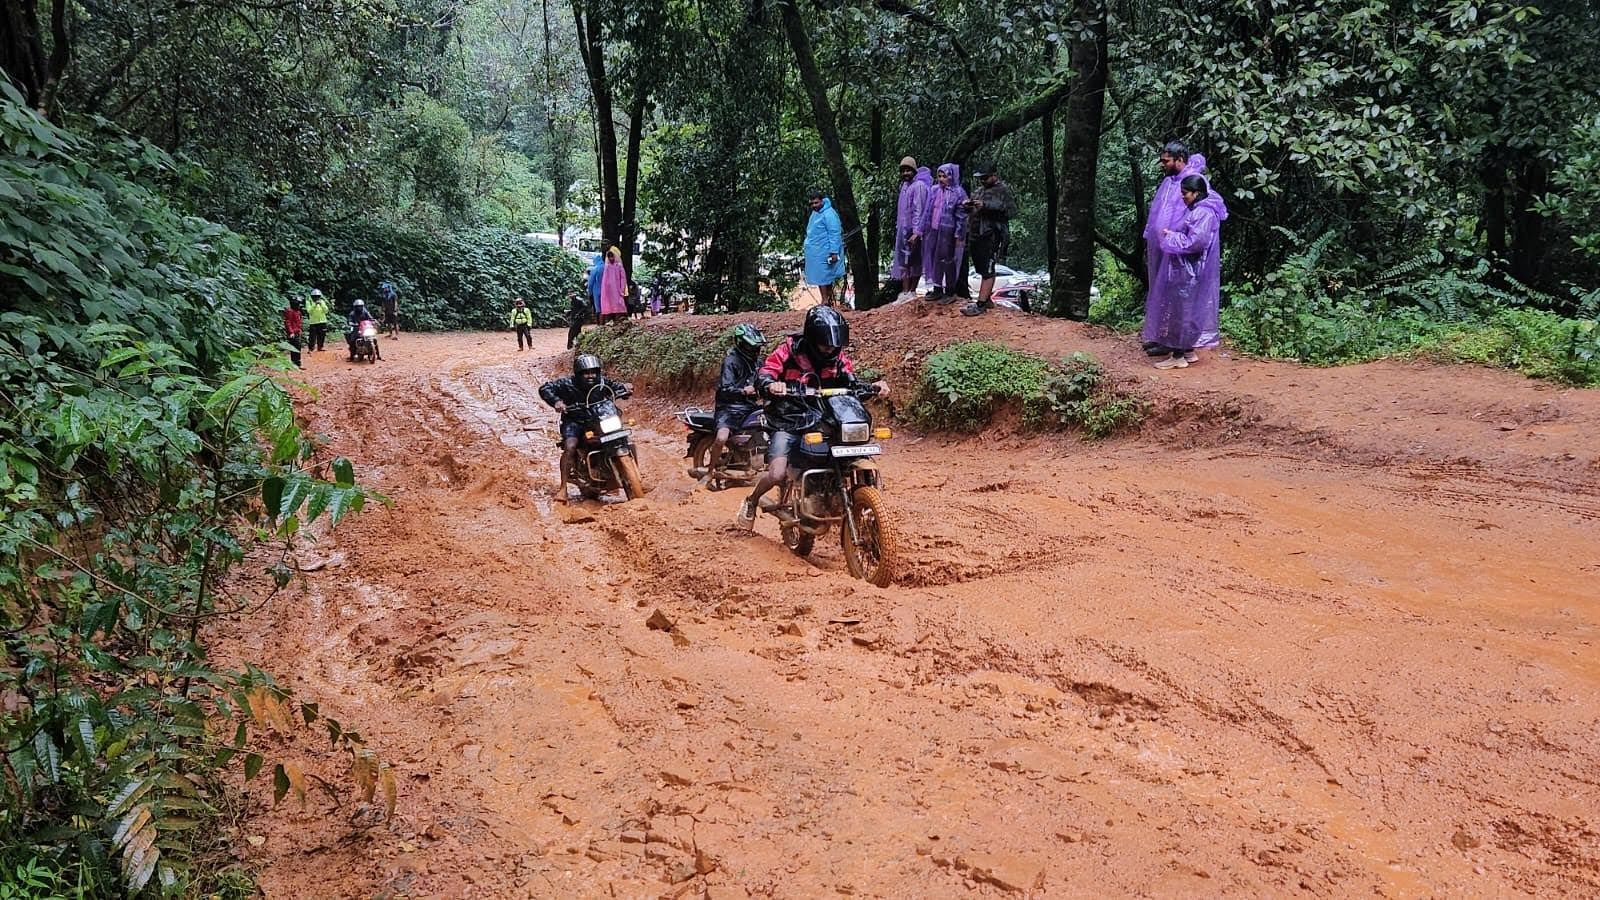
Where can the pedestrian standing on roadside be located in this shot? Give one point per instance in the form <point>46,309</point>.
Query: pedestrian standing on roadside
<point>1167,211</point>
<point>946,237</point>
<point>597,274</point>
<point>317,320</point>
<point>389,297</point>
<point>293,326</point>
<point>989,226</point>
<point>613,288</point>
<point>1189,259</point>
<point>522,321</point>
<point>578,306</point>
<point>911,213</point>
<point>824,247</point>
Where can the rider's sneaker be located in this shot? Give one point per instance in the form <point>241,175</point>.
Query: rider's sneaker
<point>746,518</point>
<point>699,472</point>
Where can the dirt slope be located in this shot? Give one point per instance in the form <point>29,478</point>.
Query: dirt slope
<point>1320,631</point>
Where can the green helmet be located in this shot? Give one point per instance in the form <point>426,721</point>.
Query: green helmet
<point>748,338</point>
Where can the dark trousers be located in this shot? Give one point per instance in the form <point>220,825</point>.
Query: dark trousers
<point>524,334</point>
<point>294,355</point>
<point>575,319</point>
<point>319,336</point>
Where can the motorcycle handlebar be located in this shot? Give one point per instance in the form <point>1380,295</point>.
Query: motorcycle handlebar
<point>865,390</point>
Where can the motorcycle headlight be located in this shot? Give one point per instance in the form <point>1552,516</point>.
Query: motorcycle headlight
<point>609,424</point>
<point>855,432</point>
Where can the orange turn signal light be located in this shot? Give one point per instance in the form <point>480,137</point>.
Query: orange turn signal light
<point>588,435</point>
<point>882,434</point>
<point>813,437</point>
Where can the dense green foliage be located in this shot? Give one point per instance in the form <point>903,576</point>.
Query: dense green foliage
<point>465,278</point>
<point>142,450</point>
<point>679,359</point>
<point>963,386</point>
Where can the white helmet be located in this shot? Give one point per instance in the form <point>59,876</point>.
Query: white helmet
<point>315,292</point>
<point>359,302</point>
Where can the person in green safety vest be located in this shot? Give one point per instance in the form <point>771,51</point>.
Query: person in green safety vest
<point>522,321</point>
<point>317,319</point>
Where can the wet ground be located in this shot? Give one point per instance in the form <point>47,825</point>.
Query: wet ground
<point>1331,632</point>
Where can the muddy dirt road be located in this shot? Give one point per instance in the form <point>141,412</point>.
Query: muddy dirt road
<point>1241,664</point>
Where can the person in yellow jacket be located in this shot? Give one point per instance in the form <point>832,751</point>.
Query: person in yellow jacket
<point>522,321</point>
<point>317,319</point>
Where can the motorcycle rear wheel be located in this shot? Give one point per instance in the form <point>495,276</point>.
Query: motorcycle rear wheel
<point>799,542</point>
<point>628,474</point>
<point>874,554</point>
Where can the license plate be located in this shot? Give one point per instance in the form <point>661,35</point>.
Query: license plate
<point>862,450</point>
<point>613,436</point>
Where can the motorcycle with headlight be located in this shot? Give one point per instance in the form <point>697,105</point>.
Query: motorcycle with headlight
<point>606,458</point>
<point>365,345</point>
<point>833,480</point>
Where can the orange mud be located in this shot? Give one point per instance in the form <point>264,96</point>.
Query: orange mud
<point>1320,631</point>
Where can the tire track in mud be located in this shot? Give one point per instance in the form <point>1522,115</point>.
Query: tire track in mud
<point>1142,669</point>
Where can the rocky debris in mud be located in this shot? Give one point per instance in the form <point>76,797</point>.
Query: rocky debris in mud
<point>677,776</point>
<point>658,621</point>
<point>869,639</point>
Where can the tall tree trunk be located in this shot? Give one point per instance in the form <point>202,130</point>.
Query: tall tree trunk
<point>1047,138</point>
<point>1080,157</point>
<point>591,46</point>
<point>560,162</point>
<point>22,56</point>
<point>875,211</point>
<point>865,268</point>
<point>1140,212</point>
<point>628,228</point>
<point>1530,181</point>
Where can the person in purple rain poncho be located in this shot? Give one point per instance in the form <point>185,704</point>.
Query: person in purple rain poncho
<point>1167,210</point>
<point>911,215</point>
<point>946,235</point>
<point>1189,255</point>
<point>824,246</point>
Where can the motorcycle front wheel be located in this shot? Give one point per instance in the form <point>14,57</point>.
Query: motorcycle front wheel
<point>628,474</point>
<point>874,552</point>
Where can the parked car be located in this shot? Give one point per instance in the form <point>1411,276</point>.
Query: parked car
<point>1020,290</point>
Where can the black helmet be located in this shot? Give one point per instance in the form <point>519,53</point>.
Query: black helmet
<point>586,364</point>
<point>825,327</point>
<point>748,338</point>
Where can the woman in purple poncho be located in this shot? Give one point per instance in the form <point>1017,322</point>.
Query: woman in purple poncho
<point>946,235</point>
<point>911,215</point>
<point>1189,255</point>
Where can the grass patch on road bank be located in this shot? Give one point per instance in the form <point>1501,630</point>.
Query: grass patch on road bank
<point>679,359</point>
<point>959,388</point>
<point>963,386</point>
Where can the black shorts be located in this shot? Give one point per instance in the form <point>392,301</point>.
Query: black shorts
<point>781,444</point>
<point>571,429</point>
<point>732,415</point>
<point>984,251</point>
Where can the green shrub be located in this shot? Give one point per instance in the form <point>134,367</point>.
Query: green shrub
<point>143,450</point>
<point>681,359</point>
<point>1120,305</point>
<point>963,385</point>
<point>1079,394</point>
<point>457,279</point>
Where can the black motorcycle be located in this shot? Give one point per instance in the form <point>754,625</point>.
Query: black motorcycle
<point>743,458</point>
<point>606,458</point>
<point>833,479</point>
